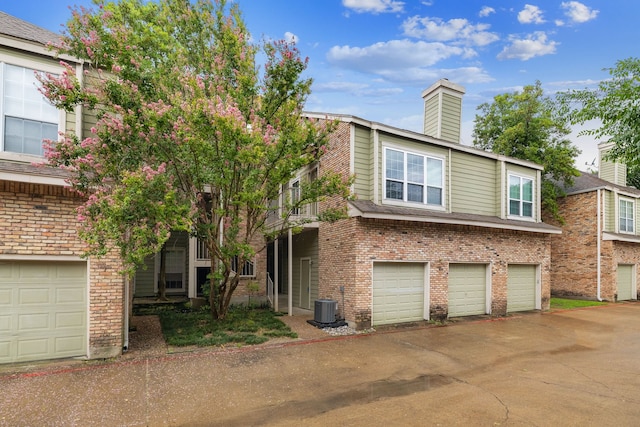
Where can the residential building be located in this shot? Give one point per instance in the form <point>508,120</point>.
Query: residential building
<point>599,251</point>
<point>437,229</point>
<point>53,302</point>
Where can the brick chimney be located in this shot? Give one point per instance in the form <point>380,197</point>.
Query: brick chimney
<point>443,110</point>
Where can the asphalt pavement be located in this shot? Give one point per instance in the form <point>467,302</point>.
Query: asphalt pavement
<point>569,368</point>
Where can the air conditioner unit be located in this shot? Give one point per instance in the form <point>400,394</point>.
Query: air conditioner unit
<point>325,311</point>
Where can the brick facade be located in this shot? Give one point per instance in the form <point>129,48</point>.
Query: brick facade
<point>351,247</point>
<point>574,253</point>
<point>37,221</point>
<point>348,248</point>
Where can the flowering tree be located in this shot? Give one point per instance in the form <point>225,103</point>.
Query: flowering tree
<point>189,134</point>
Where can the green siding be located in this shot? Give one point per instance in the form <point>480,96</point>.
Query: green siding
<point>473,184</point>
<point>362,163</point>
<point>609,212</point>
<point>144,278</point>
<point>613,172</point>
<point>31,57</point>
<point>144,274</point>
<point>431,112</point>
<point>451,117</point>
<point>305,245</point>
<point>89,117</point>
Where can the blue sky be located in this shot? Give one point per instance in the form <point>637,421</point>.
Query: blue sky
<point>373,58</point>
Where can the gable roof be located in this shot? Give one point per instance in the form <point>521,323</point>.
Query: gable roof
<point>16,27</point>
<point>420,137</point>
<point>587,182</point>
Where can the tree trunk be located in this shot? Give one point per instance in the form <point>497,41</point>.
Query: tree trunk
<point>162,282</point>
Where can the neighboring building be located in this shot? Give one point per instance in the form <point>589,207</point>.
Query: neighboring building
<point>437,230</point>
<point>53,302</point>
<point>598,254</point>
<point>187,267</point>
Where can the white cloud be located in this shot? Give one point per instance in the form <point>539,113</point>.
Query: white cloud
<point>405,61</point>
<point>579,13</point>
<point>374,6</point>
<point>535,44</point>
<point>559,23</point>
<point>456,30</point>
<point>392,54</point>
<point>357,89</point>
<point>486,11</point>
<point>290,37</point>
<point>530,15</point>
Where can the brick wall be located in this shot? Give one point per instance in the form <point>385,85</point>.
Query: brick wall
<point>38,220</point>
<point>348,248</point>
<point>574,254</point>
<point>351,246</point>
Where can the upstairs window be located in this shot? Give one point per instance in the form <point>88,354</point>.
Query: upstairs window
<point>411,177</point>
<point>295,197</point>
<point>520,196</point>
<point>626,210</point>
<point>26,117</point>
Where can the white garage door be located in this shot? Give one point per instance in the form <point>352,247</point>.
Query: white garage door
<point>626,286</point>
<point>467,289</point>
<point>43,310</point>
<point>521,288</point>
<point>398,293</point>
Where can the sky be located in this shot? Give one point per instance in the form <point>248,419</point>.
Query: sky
<point>373,58</point>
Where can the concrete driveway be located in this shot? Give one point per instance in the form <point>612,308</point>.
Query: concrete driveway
<point>579,367</point>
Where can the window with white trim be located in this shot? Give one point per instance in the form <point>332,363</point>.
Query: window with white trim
<point>247,269</point>
<point>295,196</point>
<point>520,196</point>
<point>26,116</point>
<point>411,177</point>
<point>626,208</point>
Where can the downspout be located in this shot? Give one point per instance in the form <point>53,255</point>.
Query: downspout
<point>125,345</point>
<point>598,240</point>
<point>276,274</point>
<point>290,272</point>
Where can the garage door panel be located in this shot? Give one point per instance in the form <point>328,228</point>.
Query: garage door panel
<point>69,320</point>
<point>44,310</point>
<point>625,282</point>
<point>5,297</point>
<point>398,293</point>
<point>69,344</point>
<point>521,287</point>
<point>33,295</point>
<point>70,295</point>
<point>467,289</point>
<point>34,348</point>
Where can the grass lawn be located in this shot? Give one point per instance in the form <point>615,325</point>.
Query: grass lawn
<point>564,303</point>
<point>243,326</point>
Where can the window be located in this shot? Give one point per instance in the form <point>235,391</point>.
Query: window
<point>626,208</point>
<point>520,196</point>
<point>26,116</point>
<point>413,177</point>
<point>295,197</point>
<point>247,268</point>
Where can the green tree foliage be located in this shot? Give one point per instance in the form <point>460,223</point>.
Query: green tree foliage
<point>191,133</point>
<point>615,103</point>
<point>526,125</point>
